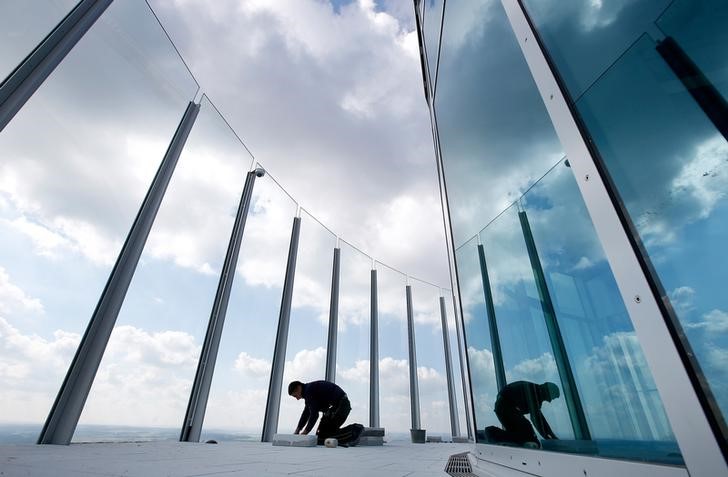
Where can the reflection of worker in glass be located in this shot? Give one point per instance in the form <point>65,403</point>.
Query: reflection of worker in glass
<point>514,401</point>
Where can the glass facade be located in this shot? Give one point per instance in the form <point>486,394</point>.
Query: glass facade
<point>539,299</point>
<point>654,105</point>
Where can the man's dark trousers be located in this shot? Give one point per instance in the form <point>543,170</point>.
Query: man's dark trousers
<point>333,418</point>
<point>517,428</point>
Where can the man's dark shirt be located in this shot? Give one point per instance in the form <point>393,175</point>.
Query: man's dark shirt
<point>319,396</point>
<point>523,396</point>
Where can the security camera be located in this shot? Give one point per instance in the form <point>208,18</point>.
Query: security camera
<point>259,172</point>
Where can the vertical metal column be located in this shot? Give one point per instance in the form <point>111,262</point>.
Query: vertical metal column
<point>67,408</point>
<point>333,318</point>
<point>414,386</point>
<point>454,424</point>
<point>374,354</point>
<point>197,405</point>
<point>270,422</point>
<point>17,88</point>
<point>463,369</point>
<point>500,371</point>
<point>571,394</point>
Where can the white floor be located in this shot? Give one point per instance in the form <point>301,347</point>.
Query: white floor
<point>225,459</point>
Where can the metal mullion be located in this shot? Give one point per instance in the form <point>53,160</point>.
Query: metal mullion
<point>414,385</point>
<point>374,354</point>
<point>331,341</point>
<point>500,371</point>
<point>454,424</point>
<point>692,428</point>
<point>197,405</point>
<point>272,408</point>
<point>25,80</point>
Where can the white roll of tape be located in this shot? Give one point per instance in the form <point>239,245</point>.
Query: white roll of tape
<point>331,442</point>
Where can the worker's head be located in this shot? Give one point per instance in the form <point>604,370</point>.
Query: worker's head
<point>295,389</point>
<point>549,391</point>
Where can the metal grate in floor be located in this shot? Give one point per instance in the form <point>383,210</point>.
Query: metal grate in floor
<point>458,465</point>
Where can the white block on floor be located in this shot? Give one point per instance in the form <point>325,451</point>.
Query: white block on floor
<point>294,440</point>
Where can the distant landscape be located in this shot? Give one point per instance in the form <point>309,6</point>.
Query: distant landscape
<point>28,434</point>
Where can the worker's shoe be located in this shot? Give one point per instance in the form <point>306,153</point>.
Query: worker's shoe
<point>356,435</point>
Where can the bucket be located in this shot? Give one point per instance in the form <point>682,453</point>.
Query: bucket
<point>418,436</point>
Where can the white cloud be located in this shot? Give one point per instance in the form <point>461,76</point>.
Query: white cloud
<point>145,377</point>
<point>713,322</point>
<point>537,370</point>
<point>704,177</point>
<point>682,299</point>
<point>31,370</point>
<point>14,299</point>
<point>251,366</point>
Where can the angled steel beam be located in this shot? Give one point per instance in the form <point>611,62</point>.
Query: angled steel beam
<point>374,355</point>
<point>454,424</point>
<point>500,371</point>
<point>333,318</point>
<point>272,407</point>
<point>568,383</point>
<point>197,405</point>
<point>414,385</point>
<point>20,85</point>
<point>67,408</point>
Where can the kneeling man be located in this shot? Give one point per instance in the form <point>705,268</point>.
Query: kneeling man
<point>326,397</point>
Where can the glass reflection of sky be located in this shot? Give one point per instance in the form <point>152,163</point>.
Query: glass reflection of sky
<point>496,142</point>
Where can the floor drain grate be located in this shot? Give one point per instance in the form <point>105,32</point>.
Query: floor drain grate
<point>458,465</point>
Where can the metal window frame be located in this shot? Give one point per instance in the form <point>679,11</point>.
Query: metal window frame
<point>488,460</point>
<point>63,418</point>
<point>464,359</point>
<point>693,432</point>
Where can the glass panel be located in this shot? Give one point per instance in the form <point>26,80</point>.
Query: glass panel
<point>434,410</point>
<point>148,367</point>
<point>105,116</point>
<point>621,403</point>
<point>431,26</point>
<point>490,117</point>
<point>308,332</point>
<point>527,353</point>
<point>24,25</point>
<point>239,389</point>
<point>352,355</point>
<point>669,164</point>
<point>394,397</point>
<point>483,383</point>
<point>584,38</point>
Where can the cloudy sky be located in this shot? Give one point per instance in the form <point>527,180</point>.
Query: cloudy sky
<point>328,98</point>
